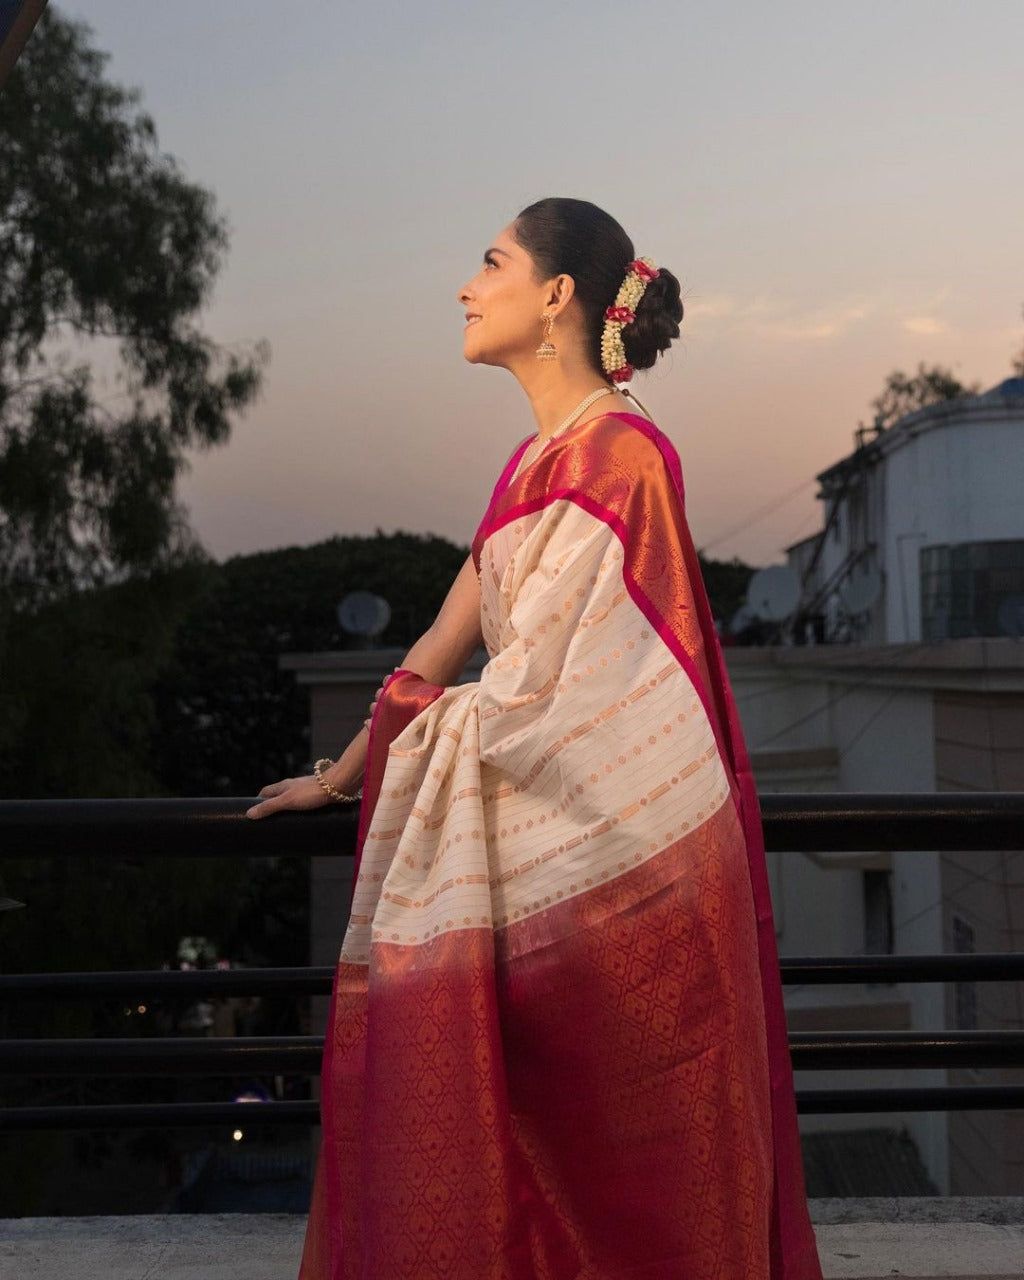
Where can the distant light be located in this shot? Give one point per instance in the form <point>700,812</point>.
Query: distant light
<point>256,1094</point>
<point>238,1135</point>
<point>127,1013</point>
<point>142,1008</point>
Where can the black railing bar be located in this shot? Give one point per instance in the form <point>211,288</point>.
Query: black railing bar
<point>163,1056</point>
<point>978,1097</point>
<point>299,980</point>
<point>982,966</point>
<point>170,1056</point>
<point>254,1115</point>
<point>171,983</point>
<point>797,822</point>
<point>960,821</point>
<point>140,829</point>
<point>871,1051</point>
<point>162,1115</point>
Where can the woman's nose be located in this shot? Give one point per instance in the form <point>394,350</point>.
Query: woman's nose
<point>463,294</point>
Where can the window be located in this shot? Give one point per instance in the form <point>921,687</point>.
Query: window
<point>877,912</point>
<point>972,589</point>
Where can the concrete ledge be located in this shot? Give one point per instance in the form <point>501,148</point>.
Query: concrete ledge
<point>228,1246</point>
<point>919,1209</point>
<point>928,1239</point>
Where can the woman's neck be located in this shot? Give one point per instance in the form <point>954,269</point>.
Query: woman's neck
<point>553,392</point>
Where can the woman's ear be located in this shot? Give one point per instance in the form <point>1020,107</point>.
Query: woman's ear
<point>560,294</point>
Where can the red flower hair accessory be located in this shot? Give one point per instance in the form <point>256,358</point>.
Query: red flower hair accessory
<point>644,268</point>
<point>622,314</point>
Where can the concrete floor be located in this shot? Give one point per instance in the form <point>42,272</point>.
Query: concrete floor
<point>951,1239</point>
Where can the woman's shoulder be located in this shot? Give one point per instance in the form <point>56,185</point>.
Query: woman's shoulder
<point>632,444</point>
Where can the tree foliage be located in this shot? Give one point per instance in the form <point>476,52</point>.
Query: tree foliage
<point>726,583</point>
<point>906,393</point>
<point>230,719</point>
<point>173,685</point>
<point>77,707</point>
<point>107,254</point>
<point>1017,363</point>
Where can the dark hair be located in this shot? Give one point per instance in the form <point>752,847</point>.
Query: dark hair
<point>576,238</point>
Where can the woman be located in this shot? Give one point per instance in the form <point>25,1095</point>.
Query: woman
<point>556,1045</point>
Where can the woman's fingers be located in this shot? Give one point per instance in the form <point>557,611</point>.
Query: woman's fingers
<point>269,798</point>
<point>262,809</point>
<point>292,793</point>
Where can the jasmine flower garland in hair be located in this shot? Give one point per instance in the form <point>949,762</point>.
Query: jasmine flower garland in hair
<point>639,273</point>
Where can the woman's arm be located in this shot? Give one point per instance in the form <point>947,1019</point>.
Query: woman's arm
<point>439,656</point>
<point>441,653</point>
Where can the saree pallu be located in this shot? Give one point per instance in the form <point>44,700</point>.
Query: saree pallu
<point>556,1045</point>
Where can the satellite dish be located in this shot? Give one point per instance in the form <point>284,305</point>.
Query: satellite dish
<point>774,593</point>
<point>860,588</point>
<point>1011,616</point>
<point>741,619</point>
<point>362,613</point>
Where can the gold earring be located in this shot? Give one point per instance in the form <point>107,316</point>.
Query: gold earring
<point>546,350</point>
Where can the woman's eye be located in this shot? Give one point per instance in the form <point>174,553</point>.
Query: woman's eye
<point>489,262</point>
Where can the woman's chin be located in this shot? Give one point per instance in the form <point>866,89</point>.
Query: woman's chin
<point>475,353</point>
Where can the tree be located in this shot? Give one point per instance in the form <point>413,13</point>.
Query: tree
<point>106,250</point>
<point>1017,364</point>
<point>726,583</point>
<point>229,718</point>
<point>906,393</point>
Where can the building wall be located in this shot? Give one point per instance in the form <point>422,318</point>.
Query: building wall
<point>877,736</point>
<point>979,746</point>
<point>916,718</point>
<point>958,482</point>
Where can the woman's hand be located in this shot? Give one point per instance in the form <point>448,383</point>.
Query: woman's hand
<point>289,793</point>
<point>373,707</point>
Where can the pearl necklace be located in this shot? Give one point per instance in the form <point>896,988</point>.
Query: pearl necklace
<point>581,408</point>
<point>583,404</point>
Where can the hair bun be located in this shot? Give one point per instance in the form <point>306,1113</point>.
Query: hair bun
<point>658,315</point>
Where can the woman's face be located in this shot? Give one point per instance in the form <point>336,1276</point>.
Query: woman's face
<point>504,304</point>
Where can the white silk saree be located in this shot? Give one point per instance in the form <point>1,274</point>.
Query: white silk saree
<point>556,1046</point>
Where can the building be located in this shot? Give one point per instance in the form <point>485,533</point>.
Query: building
<point>923,534</point>
<point>915,583</point>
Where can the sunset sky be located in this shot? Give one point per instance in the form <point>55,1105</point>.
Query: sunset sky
<point>839,187</point>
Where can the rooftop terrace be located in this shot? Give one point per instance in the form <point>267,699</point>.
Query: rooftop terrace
<point>955,1239</point>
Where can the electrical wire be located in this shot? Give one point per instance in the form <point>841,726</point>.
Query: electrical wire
<point>908,652</point>
<point>984,875</point>
<point>755,516</point>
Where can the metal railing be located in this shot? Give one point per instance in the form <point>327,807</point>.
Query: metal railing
<point>214,828</point>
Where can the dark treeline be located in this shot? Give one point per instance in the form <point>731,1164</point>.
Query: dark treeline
<point>171,685</point>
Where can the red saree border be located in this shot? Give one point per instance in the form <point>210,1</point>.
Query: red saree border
<point>403,696</point>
